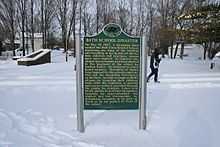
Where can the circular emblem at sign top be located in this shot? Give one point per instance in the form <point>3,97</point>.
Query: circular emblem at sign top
<point>112,30</point>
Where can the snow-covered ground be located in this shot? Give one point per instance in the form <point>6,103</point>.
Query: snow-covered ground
<point>38,108</point>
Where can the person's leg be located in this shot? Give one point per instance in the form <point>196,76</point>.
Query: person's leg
<point>150,75</point>
<point>156,75</point>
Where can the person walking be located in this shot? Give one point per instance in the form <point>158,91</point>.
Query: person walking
<point>154,66</point>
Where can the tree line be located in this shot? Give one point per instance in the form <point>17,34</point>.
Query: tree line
<point>62,20</point>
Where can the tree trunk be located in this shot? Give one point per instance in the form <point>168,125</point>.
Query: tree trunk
<point>210,49</point>
<point>150,44</point>
<point>182,50</point>
<point>205,51</point>
<point>70,28</point>
<point>84,20</point>
<point>45,24</point>
<point>23,25</point>
<point>80,18</point>
<point>13,37</point>
<point>142,19</point>
<point>175,53</point>
<point>11,22</point>
<point>131,3</point>
<point>171,50</point>
<point>65,26</point>
<point>172,26</point>
<point>27,35</point>
<point>97,16</point>
<point>23,41</point>
<point>0,47</point>
<point>42,22</point>
<point>32,25</point>
<point>74,36</point>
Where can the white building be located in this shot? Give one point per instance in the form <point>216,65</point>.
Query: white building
<point>37,40</point>
<point>18,44</point>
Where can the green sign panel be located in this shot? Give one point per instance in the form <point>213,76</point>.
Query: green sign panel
<point>111,70</point>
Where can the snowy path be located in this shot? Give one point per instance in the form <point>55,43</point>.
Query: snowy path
<point>184,107</point>
<point>37,81</point>
<point>182,81</point>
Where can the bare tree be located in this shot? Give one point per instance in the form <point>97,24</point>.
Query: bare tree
<point>32,25</point>
<point>48,11</point>
<point>151,11</point>
<point>62,18</point>
<point>183,6</point>
<point>42,23</point>
<point>123,13</point>
<point>27,31</point>
<point>97,15</point>
<point>106,12</point>
<point>131,6</point>
<point>22,11</point>
<point>66,16</point>
<point>80,17</point>
<point>7,19</point>
<point>141,22</point>
<point>86,18</point>
<point>73,24</point>
<point>49,15</point>
<point>1,37</point>
<point>143,18</point>
<point>173,26</point>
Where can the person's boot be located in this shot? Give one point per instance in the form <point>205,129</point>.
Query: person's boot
<point>147,80</point>
<point>157,81</point>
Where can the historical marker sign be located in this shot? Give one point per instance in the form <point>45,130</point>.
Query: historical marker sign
<point>111,70</point>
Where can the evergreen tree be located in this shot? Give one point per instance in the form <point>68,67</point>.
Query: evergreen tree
<point>205,26</point>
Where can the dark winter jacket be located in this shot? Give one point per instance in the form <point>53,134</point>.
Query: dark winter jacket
<point>154,61</point>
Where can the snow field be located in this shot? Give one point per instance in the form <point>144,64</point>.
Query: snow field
<point>38,108</point>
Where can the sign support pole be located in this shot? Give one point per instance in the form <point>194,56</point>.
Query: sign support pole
<point>79,93</point>
<point>143,90</point>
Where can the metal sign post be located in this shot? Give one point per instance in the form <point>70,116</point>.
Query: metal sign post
<point>143,89</point>
<point>79,95</point>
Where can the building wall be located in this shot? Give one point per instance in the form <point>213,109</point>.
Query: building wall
<point>37,43</point>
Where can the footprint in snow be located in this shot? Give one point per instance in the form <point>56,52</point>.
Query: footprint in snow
<point>36,125</point>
